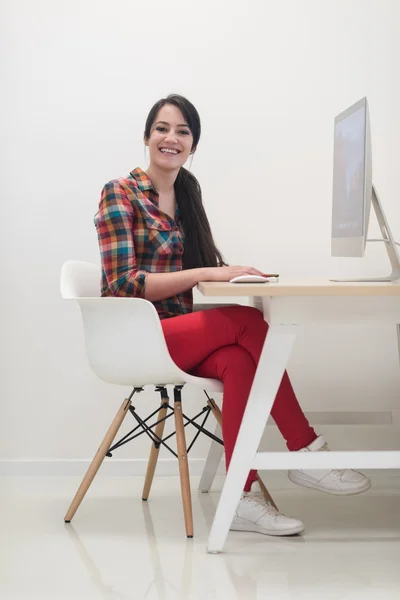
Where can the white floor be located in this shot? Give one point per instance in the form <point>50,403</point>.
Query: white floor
<point>119,547</point>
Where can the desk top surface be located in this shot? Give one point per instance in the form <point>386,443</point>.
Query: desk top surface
<point>300,287</point>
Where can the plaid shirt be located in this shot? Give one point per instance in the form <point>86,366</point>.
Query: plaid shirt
<point>137,238</point>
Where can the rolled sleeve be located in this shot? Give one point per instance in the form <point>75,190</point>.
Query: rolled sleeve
<point>114,225</point>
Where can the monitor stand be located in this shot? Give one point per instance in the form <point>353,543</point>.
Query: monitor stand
<point>389,242</point>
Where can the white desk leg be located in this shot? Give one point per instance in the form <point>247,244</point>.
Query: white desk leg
<point>212,463</point>
<point>398,338</point>
<point>273,361</point>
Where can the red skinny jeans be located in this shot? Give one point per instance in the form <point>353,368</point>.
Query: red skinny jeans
<point>225,344</point>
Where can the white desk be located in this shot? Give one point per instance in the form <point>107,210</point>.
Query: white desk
<point>286,305</point>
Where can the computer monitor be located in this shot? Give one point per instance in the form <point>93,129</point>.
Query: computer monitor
<point>353,191</point>
<point>352,181</point>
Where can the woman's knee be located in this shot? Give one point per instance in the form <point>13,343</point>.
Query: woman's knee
<point>235,360</point>
<point>232,365</point>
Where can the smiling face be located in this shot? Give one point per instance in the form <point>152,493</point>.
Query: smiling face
<point>171,141</point>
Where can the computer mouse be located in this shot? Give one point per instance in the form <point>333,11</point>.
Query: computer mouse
<point>249,279</point>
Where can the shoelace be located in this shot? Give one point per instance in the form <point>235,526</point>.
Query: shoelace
<point>260,500</point>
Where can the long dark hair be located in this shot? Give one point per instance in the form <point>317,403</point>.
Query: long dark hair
<point>199,246</point>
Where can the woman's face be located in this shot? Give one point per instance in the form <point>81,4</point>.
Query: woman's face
<point>170,142</point>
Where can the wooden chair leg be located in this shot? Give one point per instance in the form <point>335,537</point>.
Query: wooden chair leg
<point>218,415</point>
<point>155,448</point>
<point>215,411</point>
<point>183,463</point>
<point>98,459</point>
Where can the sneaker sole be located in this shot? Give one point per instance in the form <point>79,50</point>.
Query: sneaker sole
<point>253,528</point>
<point>314,486</point>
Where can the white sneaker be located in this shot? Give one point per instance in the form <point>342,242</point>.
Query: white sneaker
<point>255,514</point>
<point>343,482</point>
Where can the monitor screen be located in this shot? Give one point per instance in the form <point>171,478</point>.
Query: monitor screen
<point>349,172</point>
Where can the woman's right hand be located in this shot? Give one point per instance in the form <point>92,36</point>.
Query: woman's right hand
<point>228,273</point>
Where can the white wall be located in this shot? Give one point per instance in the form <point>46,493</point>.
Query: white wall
<point>267,78</point>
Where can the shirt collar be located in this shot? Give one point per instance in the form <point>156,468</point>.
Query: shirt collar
<point>145,184</point>
<point>142,180</point>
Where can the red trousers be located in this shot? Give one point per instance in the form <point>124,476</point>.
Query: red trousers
<point>225,344</point>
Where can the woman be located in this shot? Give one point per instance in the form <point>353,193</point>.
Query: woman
<point>156,243</point>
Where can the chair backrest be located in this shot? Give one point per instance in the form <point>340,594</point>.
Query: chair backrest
<point>124,338</point>
<point>80,279</point>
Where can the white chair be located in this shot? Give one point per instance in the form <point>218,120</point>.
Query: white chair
<point>126,346</point>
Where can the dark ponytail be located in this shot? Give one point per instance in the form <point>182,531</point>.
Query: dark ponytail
<point>199,246</point>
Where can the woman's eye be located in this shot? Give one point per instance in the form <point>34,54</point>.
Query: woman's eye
<point>163,129</point>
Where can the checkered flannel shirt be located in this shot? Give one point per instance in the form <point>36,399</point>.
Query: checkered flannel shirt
<point>136,238</point>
